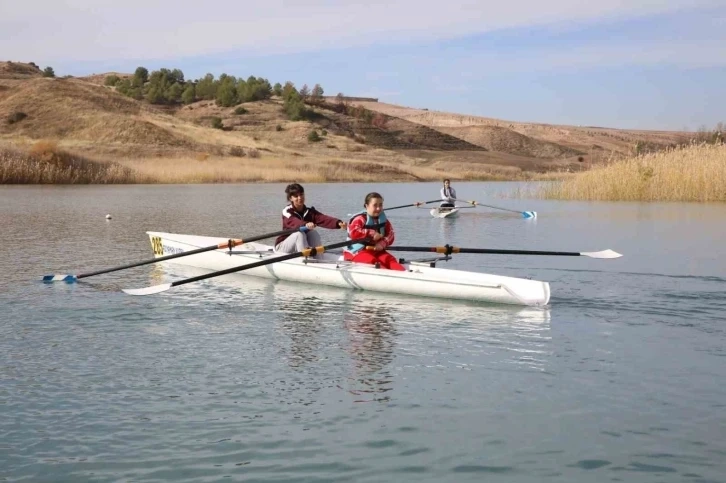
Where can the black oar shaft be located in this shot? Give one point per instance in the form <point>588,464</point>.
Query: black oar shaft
<point>232,242</point>
<point>450,249</point>
<point>412,204</point>
<point>516,252</point>
<point>154,260</point>
<point>476,203</point>
<point>306,253</point>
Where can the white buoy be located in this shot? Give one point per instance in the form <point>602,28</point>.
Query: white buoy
<point>108,217</point>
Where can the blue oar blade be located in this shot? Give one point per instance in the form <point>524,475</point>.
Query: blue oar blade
<point>529,214</point>
<point>59,278</point>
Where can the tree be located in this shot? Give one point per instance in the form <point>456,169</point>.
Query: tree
<point>277,89</point>
<point>189,94</point>
<point>253,89</point>
<point>141,77</point>
<point>177,76</point>
<point>295,107</point>
<point>48,72</point>
<point>226,92</point>
<point>155,94</point>
<point>317,93</point>
<point>159,87</point>
<point>124,86</point>
<point>111,80</point>
<point>207,87</point>
<point>340,105</point>
<point>288,89</point>
<point>174,92</point>
<point>304,92</point>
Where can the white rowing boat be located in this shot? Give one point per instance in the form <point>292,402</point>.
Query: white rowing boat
<point>421,278</point>
<point>444,212</point>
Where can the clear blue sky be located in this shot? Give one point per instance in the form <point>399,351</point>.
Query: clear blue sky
<point>653,65</point>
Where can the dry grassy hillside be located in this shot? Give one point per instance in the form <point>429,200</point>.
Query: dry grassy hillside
<point>75,111</point>
<point>18,70</point>
<point>531,139</point>
<point>179,144</point>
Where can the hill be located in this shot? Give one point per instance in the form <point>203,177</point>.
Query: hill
<point>83,116</point>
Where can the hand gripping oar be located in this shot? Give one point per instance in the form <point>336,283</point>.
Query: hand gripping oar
<point>448,250</point>
<point>308,252</point>
<point>525,214</point>
<point>418,203</point>
<point>228,244</point>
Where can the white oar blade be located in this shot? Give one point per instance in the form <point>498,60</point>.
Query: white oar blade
<point>602,254</point>
<point>59,278</point>
<point>148,290</point>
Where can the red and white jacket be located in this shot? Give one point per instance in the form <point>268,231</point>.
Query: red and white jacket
<point>363,226</point>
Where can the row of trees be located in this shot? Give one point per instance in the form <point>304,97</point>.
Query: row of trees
<point>165,86</point>
<point>168,86</point>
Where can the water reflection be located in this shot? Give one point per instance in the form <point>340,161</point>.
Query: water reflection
<point>303,323</point>
<point>356,334</point>
<point>371,343</point>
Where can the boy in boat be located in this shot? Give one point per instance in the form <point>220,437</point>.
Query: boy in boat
<point>373,225</point>
<point>295,215</point>
<point>448,194</point>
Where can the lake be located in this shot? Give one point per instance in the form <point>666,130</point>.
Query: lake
<point>620,378</point>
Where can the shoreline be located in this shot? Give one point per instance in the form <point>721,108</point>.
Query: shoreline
<point>47,164</point>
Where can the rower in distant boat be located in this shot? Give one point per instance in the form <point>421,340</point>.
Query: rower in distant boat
<point>448,194</point>
<point>296,215</point>
<point>372,224</point>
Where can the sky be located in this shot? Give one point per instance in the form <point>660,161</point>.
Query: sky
<point>637,64</point>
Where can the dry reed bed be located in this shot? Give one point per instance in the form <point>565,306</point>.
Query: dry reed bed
<point>691,173</point>
<point>271,169</point>
<point>45,164</point>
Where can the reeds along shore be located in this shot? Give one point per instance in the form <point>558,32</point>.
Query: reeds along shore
<point>690,173</point>
<point>46,163</point>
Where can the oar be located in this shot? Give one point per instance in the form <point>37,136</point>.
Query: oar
<point>228,244</point>
<point>525,214</point>
<point>418,203</point>
<point>308,252</point>
<point>448,250</point>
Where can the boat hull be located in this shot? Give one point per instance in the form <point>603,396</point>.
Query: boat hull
<point>418,279</point>
<point>444,212</point>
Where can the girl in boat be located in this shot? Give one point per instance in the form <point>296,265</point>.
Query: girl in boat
<point>373,225</point>
<point>295,215</point>
<point>448,194</point>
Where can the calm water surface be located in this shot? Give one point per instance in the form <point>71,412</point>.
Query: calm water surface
<point>621,378</point>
